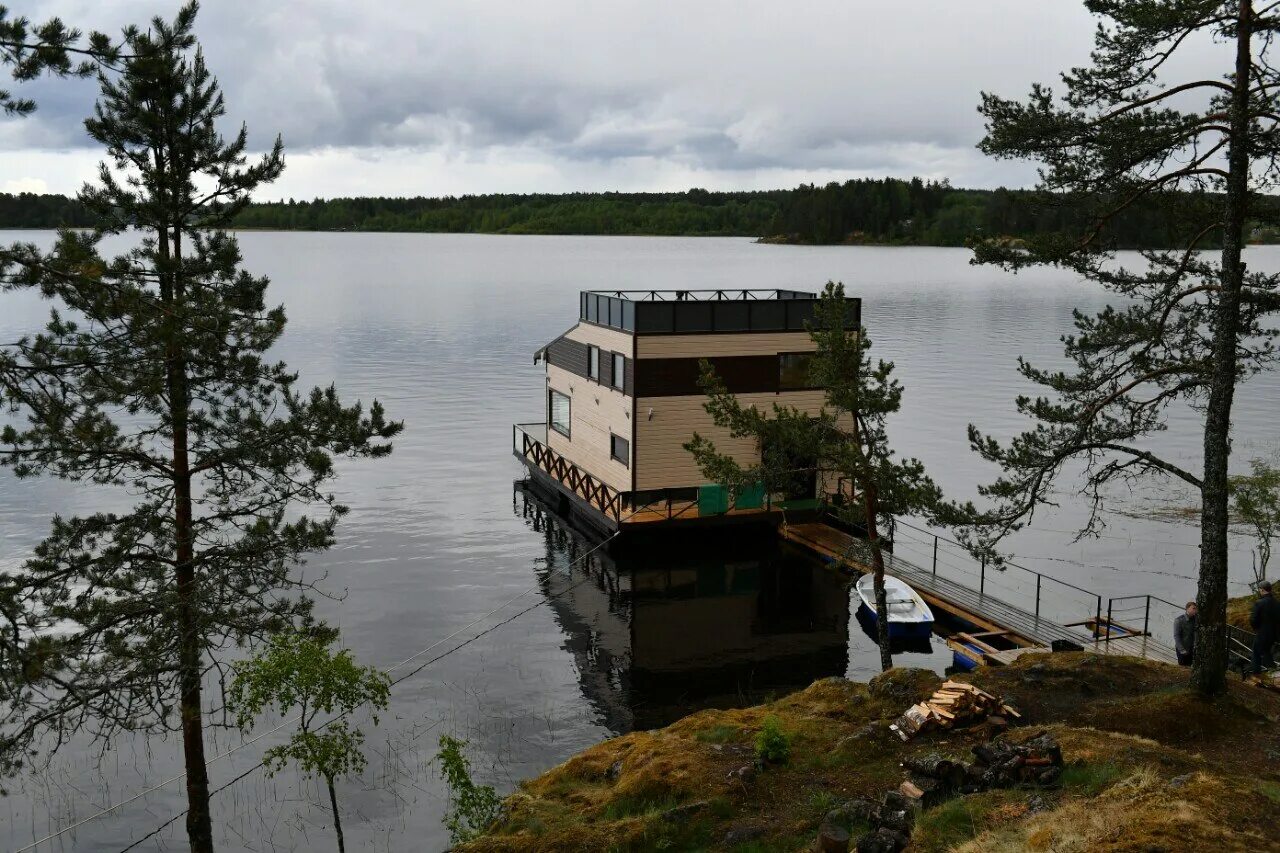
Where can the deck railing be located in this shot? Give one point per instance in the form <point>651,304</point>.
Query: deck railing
<point>528,441</point>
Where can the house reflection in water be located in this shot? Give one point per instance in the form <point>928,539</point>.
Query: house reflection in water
<point>661,631</point>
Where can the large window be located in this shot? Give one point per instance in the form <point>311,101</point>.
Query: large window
<point>620,449</point>
<point>560,415</point>
<point>793,371</point>
<point>593,363</point>
<point>619,371</point>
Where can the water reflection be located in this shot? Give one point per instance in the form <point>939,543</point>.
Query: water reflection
<point>660,630</point>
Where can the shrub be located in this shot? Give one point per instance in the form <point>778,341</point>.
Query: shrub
<point>472,807</point>
<point>773,745</point>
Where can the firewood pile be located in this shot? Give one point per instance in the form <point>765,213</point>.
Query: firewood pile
<point>932,779</point>
<point>954,704</point>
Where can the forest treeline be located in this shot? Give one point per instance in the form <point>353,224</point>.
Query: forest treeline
<point>880,211</point>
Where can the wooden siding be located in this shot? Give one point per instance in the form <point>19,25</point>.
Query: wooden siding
<point>596,410</point>
<point>709,345</point>
<point>607,339</point>
<point>659,456</point>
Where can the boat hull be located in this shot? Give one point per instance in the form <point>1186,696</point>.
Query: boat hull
<point>904,630</point>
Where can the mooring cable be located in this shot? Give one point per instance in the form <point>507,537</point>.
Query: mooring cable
<point>295,719</point>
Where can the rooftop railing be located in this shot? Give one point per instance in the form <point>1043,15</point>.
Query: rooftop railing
<point>657,312</point>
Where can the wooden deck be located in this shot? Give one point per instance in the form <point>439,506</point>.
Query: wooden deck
<point>984,610</point>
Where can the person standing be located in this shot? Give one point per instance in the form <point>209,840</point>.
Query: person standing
<point>1184,635</point>
<point>1265,620</point>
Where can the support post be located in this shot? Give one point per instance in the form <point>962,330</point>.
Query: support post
<point>1110,601</point>
<point>1097,618</point>
<point>1039,577</point>
<point>982,580</point>
<point>935,555</point>
<point>1146,619</point>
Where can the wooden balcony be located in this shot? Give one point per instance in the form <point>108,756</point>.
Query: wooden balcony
<point>529,444</point>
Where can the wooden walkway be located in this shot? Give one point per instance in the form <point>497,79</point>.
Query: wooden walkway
<point>968,604</point>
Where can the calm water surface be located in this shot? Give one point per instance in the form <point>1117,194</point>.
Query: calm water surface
<point>442,329</point>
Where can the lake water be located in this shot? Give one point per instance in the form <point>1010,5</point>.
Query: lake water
<point>442,329</point>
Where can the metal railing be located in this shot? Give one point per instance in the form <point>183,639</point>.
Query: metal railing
<point>658,312</point>
<point>1050,597</point>
<point>706,294</point>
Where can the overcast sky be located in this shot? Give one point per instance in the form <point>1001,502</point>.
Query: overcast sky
<point>432,97</point>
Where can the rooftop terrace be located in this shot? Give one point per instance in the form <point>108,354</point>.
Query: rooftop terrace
<point>658,312</point>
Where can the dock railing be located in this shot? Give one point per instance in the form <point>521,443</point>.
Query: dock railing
<point>1043,595</point>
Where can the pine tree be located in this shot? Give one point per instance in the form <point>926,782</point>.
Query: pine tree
<point>51,48</point>
<point>1203,154</point>
<point>848,441</point>
<point>151,375</point>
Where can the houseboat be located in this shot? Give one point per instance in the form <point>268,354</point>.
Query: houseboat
<point>622,399</point>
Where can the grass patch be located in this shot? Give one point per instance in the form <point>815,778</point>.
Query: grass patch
<point>718,734</point>
<point>637,806</point>
<point>1270,790</point>
<point>1090,779</point>
<point>950,824</point>
<point>822,801</point>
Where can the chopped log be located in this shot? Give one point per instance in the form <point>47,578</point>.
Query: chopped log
<point>957,685</point>
<point>1011,712</point>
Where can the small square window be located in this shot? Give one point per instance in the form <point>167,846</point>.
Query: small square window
<point>593,363</point>
<point>620,449</point>
<point>619,371</point>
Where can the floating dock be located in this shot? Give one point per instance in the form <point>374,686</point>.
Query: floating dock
<point>998,631</point>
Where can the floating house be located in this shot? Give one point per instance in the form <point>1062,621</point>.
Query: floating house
<point>622,398</point>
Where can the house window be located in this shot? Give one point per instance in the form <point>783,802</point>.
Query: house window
<point>619,370</point>
<point>620,449</point>
<point>560,412</point>
<point>793,371</point>
<point>593,363</point>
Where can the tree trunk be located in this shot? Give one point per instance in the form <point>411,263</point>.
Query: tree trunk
<point>337,821</point>
<point>1209,671</point>
<point>199,820</point>
<point>869,505</point>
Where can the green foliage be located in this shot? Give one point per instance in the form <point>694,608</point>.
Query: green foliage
<point>773,745</point>
<point>845,443</point>
<point>887,211</point>
<point>472,807</point>
<point>51,48</point>
<point>1125,133</point>
<point>151,374</point>
<point>1256,500</point>
<point>297,672</point>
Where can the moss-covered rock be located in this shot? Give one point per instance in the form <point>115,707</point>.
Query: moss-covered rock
<point>1150,766</point>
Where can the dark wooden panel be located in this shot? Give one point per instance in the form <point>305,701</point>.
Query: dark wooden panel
<point>568,354</point>
<point>671,377</point>
<point>606,368</point>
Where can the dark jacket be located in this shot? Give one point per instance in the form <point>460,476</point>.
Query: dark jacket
<point>1184,634</point>
<point>1265,618</point>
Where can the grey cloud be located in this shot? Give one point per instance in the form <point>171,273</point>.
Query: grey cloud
<point>715,86</point>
